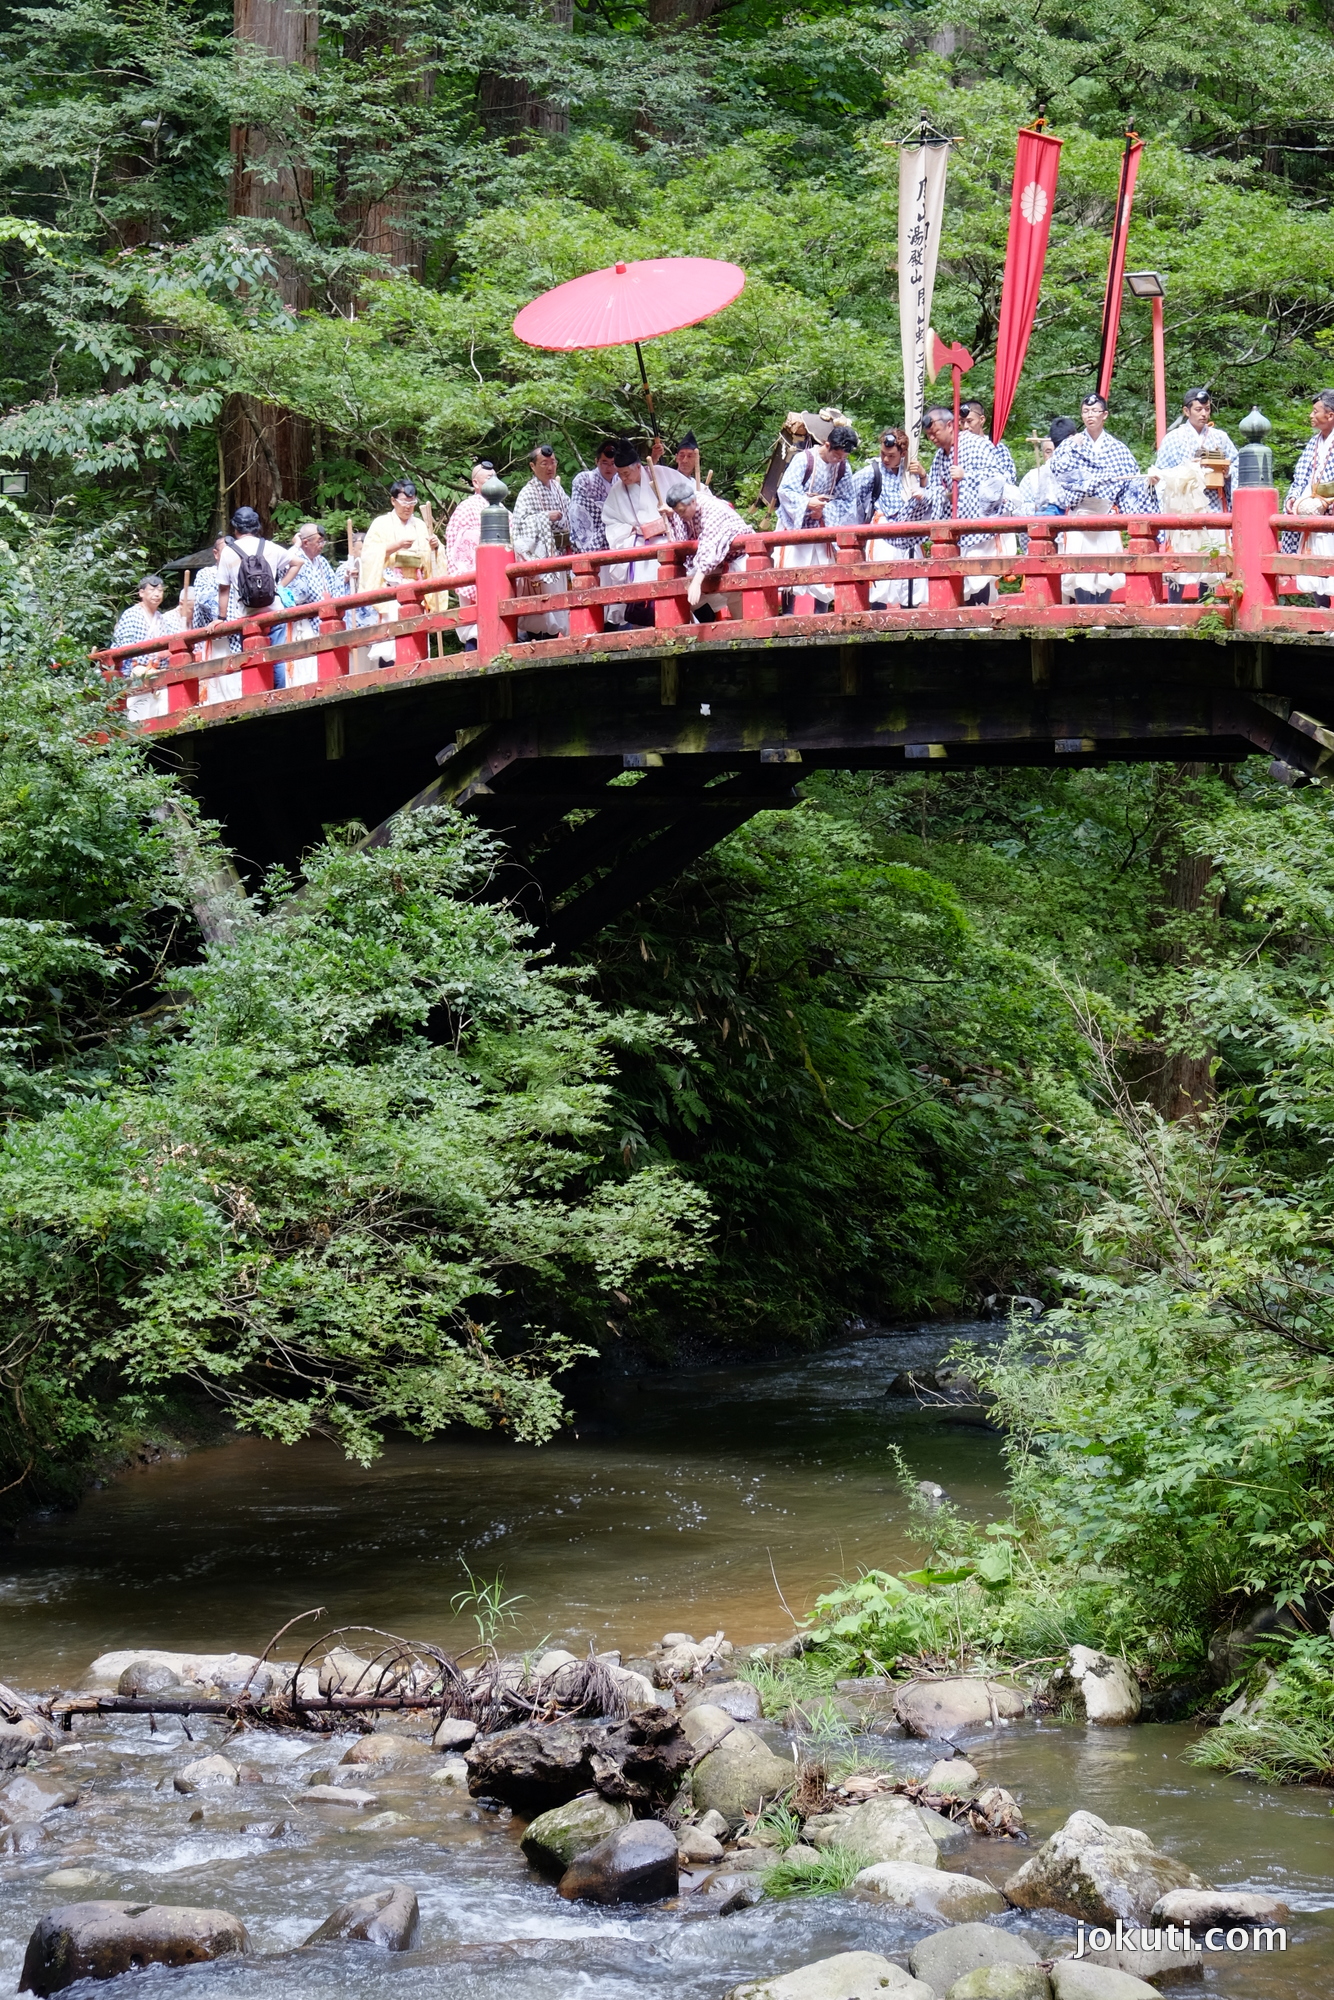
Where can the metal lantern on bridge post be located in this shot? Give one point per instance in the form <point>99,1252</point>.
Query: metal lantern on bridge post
<point>1255,461</point>
<point>1150,285</point>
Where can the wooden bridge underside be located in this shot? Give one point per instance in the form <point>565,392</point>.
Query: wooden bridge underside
<point>537,745</point>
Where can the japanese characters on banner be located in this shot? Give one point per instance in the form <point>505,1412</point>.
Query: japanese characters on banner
<point>922,165</point>
<point>1116,265</point>
<point>1036,164</point>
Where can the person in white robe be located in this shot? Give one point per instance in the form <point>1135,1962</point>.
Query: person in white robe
<point>398,548</point>
<point>1315,468</point>
<point>816,492</point>
<point>633,517</point>
<point>1181,490</point>
<point>685,466</point>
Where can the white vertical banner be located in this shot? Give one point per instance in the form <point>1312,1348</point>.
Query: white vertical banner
<point>922,165</point>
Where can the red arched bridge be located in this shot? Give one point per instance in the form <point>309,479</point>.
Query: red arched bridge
<point>609,759</point>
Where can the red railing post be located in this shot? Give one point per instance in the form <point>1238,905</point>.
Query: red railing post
<point>494,633</point>
<point>671,610</point>
<point>757,604</point>
<point>410,647</point>
<point>337,660</point>
<point>1254,542</point>
<point>854,594</point>
<point>1142,586</point>
<point>254,680</point>
<point>585,619</point>
<point>1044,589</point>
<point>944,593</point>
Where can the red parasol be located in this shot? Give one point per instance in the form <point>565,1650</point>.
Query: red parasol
<point>630,303</point>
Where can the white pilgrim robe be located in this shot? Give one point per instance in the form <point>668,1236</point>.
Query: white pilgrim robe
<point>626,512</point>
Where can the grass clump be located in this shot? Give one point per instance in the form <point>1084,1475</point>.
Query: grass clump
<point>835,1869</point>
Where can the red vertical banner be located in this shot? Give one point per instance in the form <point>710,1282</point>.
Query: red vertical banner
<point>1116,263</point>
<point>1037,161</point>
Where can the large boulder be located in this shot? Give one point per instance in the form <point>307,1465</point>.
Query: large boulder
<point>951,1899</point>
<point>705,1726</point>
<point>636,1864</point>
<point>207,1774</point>
<point>945,1956</point>
<point>539,1766</point>
<point>1081,1981</point>
<point>1202,1907</point>
<point>229,1671</point>
<point>102,1940</point>
<point>1097,1873</point>
<point>389,1917</point>
<point>947,1708</point>
<point>889,1828</point>
<point>1105,1685</point>
<point>1003,1982</point>
<point>556,1838</point>
<point>851,1975</point>
<point>31,1795</point>
<point>147,1677</point>
<point>739,1699</point>
<point>739,1775</point>
<point>385,1751</point>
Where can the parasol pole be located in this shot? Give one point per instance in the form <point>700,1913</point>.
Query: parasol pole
<point>643,373</point>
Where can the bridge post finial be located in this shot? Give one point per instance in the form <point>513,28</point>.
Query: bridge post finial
<point>1255,461</point>
<point>1254,537</point>
<point>492,560</point>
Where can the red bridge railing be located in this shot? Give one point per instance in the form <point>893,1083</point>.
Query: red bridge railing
<point>1247,578</point>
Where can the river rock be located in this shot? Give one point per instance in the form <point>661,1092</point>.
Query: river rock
<point>193,1670</point>
<point>345,1672</point>
<point>851,1975</point>
<point>739,1775</point>
<point>389,1917</point>
<point>386,1751</point>
<point>102,1940</point>
<point>951,1899</point>
<point>705,1726</point>
<point>25,1836</point>
<point>31,1795</point>
<point>16,1745</point>
<point>945,1708</point>
<point>693,1844</point>
<point>635,1864</point>
<point>945,1956</point>
<point>714,1823</point>
<point>556,1838</point>
<point>885,1829</point>
<point>1097,1982</point>
<point>1109,1691</point>
<point>454,1733</point>
<point>953,1778</point>
<point>1003,1982</point>
<point>207,1774</point>
<point>1097,1873</point>
<point>346,1796</point>
<point>739,1699</point>
<point>1144,1954</point>
<point>146,1677</point>
<point>452,1773</point>
<point>1201,1907</point>
<point>949,1835</point>
<point>537,1767</point>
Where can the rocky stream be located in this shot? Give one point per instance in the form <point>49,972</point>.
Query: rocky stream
<point>602,1821</point>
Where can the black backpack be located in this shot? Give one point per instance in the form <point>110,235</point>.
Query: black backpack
<point>255,581</point>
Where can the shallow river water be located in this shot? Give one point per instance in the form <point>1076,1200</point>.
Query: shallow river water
<point>674,1504</point>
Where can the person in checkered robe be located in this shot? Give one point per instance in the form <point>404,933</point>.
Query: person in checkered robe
<point>816,492</point>
<point>699,515</point>
<point>1314,467</point>
<point>588,496</point>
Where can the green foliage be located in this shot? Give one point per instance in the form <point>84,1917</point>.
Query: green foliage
<point>487,1605</point>
<point>1285,1735</point>
<point>880,1617</point>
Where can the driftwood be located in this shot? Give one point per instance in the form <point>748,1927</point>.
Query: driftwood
<point>402,1675</point>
